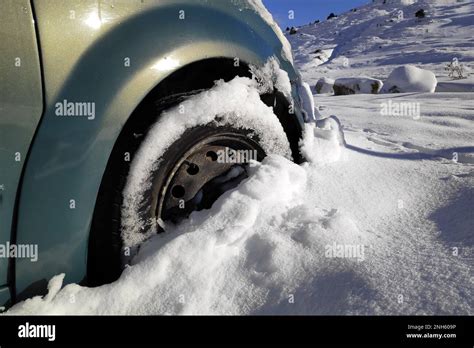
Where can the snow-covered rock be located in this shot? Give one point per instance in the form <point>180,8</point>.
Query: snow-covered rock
<point>293,31</point>
<point>357,85</point>
<point>325,86</point>
<point>322,55</point>
<point>409,78</point>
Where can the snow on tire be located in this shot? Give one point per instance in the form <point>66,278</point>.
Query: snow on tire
<point>234,104</point>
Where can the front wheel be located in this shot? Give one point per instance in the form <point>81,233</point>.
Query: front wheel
<point>168,180</point>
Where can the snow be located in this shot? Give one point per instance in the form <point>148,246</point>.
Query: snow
<point>307,103</point>
<point>322,144</point>
<point>357,85</point>
<point>270,76</point>
<point>378,222</point>
<point>409,78</point>
<point>275,244</point>
<point>258,7</point>
<point>465,85</point>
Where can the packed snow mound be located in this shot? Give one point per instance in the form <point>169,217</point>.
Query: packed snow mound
<point>323,142</point>
<point>409,78</point>
<point>310,112</point>
<point>357,85</point>
<point>250,254</point>
<point>325,86</point>
<point>236,103</point>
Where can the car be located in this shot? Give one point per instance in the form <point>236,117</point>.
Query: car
<point>82,84</point>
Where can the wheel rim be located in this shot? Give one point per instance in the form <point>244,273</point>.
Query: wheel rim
<point>203,173</point>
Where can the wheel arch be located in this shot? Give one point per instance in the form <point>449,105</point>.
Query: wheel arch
<point>214,68</point>
<point>69,156</point>
<point>199,75</point>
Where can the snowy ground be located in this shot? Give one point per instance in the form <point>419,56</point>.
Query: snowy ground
<point>399,198</point>
<point>395,193</point>
<point>413,197</point>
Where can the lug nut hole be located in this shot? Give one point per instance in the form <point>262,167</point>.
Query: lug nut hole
<point>178,191</point>
<point>211,156</point>
<point>193,169</point>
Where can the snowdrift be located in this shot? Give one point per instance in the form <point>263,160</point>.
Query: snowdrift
<point>252,253</point>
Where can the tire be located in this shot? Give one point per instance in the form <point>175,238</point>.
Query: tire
<point>122,221</point>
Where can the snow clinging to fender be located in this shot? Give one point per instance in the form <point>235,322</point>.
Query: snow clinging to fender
<point>260,8</point>
<point>270,77</point>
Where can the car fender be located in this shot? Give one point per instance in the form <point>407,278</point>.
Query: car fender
<point>84,60</point>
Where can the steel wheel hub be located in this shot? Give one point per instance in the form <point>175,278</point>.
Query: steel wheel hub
<point>208,169</point>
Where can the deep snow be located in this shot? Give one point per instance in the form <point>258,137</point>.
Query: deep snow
<point>396,202</point>
<point>394,195</point>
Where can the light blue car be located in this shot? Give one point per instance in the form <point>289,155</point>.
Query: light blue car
<point>81,83</point>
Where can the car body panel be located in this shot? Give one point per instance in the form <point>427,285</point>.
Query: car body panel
<point>21,106</point>
<point>84,47</point>
<point>4,296</point>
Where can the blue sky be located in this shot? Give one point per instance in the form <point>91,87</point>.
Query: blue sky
<point>308,10</point>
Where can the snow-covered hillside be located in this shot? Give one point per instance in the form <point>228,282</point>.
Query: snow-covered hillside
<point>376,38</point>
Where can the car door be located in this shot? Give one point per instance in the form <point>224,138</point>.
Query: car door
<point>21,104</point>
